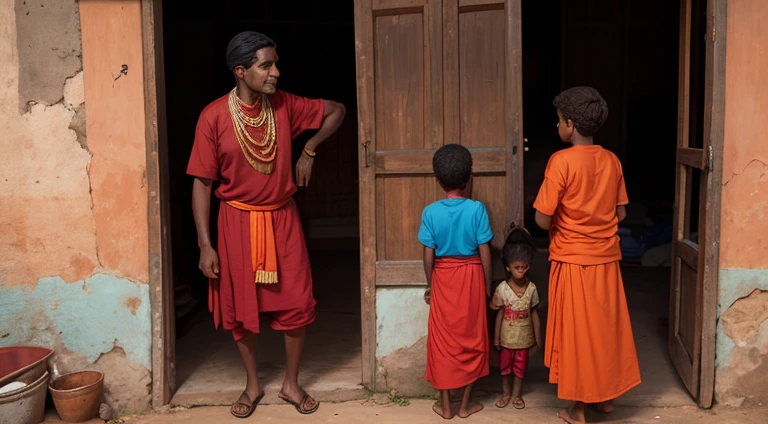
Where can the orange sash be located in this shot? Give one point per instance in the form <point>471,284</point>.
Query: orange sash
<point>263,248</point>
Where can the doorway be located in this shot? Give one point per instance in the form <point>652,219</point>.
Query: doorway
<point>317,60</point>
<point>646,67</point>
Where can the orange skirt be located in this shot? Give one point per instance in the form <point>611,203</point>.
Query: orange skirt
<point>457,335</point>
<point>590,350</point>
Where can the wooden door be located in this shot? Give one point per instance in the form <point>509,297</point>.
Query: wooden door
<point>431,72</point>
<point>693,297</point>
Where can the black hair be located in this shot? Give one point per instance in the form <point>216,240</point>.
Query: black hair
<point>585,107</point>
<point>519,246</point>
<point>243,47</point>
<point>452,164</point>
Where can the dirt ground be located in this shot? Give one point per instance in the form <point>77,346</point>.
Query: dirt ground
<point>419,411</point>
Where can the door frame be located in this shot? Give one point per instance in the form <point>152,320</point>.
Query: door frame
<point>714,107</point>
<point>711,160</point>
<point>159,251</point>
<point>158,207</point>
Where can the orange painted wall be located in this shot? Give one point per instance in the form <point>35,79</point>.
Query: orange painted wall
<point>114,93</point>
<point>744,220</point>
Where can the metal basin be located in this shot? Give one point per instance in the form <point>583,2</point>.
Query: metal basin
<point>23,363</point>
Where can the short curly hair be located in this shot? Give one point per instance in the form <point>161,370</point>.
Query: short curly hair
<point>585,107</point>
<point>452,164</point>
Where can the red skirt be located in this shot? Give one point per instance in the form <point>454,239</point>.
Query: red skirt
<point>457,335</point>
<point>236,300</point>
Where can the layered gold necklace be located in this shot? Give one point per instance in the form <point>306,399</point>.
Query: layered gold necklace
<point>260,154</point>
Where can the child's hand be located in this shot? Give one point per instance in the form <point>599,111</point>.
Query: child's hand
<point>427,296</point>
<point>497,342</point>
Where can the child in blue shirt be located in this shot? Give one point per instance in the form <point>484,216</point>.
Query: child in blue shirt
<point>455,233</point>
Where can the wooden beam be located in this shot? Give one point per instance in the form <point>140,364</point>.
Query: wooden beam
<point>714,136</point>
<point>513,112</point>
<point>419,162</point>
<point>367,176</point>
<point>400,273</point>
<point>695,158</point>
<point>158,208</point>
<point>688,254</point>
<point>380,5</point>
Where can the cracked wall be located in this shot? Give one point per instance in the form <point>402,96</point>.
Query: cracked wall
<point>742,331</point>
<point>401,334</point>
<point>73,269</point>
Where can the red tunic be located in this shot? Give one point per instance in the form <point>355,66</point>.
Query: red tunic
<point>235,299</point>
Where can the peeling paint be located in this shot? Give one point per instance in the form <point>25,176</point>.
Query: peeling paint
<point>401,318</point>
<point>91,317</point>
<point>132,303</point>
<point>49,49</point>
<point>738,361</point>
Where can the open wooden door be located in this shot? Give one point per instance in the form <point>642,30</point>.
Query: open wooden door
<point>431,72</point>
<point>693,297</point>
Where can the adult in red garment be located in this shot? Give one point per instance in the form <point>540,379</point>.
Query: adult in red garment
<point>260,264</point>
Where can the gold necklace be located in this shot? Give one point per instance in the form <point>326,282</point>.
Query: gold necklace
<point>260,154</point>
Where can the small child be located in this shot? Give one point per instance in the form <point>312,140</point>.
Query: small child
<point>457,261</point>
<point>518,327</point>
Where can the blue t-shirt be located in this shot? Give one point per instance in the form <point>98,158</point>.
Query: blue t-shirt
<point>455,227</point>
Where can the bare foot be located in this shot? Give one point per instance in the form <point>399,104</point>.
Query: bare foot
<point>603,407</point>
<point>441,412</point>
<point>572,416</point>
<point>472,408</point>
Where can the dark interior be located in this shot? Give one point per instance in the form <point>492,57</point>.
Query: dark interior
<point>317,59</point>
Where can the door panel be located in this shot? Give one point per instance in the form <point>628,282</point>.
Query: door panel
<point>481,81</point>
<point>400,201</point>
<point>431,72</point>
<point>693,296</point>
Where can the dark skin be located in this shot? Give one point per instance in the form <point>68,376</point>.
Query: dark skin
<point>443,406</point>
<point>261,78</point>
<point>518,282</point>
<point>569,134</point>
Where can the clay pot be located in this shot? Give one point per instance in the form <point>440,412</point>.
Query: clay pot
<point>77,396</point>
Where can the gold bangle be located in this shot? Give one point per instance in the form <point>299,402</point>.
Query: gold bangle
<point>310,153</point>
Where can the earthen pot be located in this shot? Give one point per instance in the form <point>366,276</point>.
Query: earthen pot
<point>77,396</point>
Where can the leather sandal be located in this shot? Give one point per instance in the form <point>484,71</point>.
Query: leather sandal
<point>250,406</point>
<point>301,406</point>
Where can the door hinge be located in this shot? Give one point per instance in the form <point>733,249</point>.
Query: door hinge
<point>710,158</point>
<point>714,34</point>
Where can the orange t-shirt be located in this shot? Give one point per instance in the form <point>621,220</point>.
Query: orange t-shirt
<point>582,187</point>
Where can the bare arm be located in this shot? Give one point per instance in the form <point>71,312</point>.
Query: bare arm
<point>429,264</point>
<point>485,258</point>
<point>333,115</point>
<point>201,209</point>
<point>332,119</point>
<point>543,221</point>
<point>621,212</point>
<point>497,329</point>
<point>536,326</point>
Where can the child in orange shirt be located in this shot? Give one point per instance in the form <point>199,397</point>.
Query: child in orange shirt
<point>589,347</point>
<point>518,327</point>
